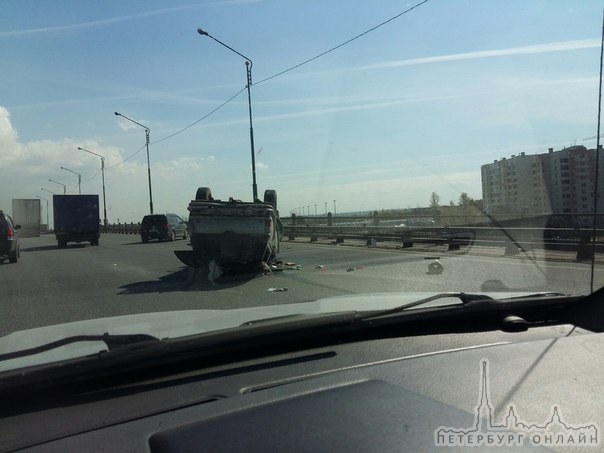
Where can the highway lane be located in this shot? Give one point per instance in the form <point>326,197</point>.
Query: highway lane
<point>124,276</point>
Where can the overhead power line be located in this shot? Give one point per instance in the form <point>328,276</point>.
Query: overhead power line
<point>408,10</point>
<point>342,44</point>
<point>129,157</point>
<point>202,118</point>
<point>296,66</point>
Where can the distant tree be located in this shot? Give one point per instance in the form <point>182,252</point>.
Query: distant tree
<point>434,201</point>
<point>465,200</point>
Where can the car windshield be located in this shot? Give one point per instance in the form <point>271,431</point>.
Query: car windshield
<point>323,156</point>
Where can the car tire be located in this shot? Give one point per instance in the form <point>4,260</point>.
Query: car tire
<point>173,236</point>
<point>184,235</point>
<point>13,257</point>
<point>203,194</point>
<point>144,239</point>
<point>270,196</point>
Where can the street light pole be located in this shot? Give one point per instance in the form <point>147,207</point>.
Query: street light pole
<point>79,178</point>
<point>103,178</point>
<point>248,70</point>
<point>46,190</point>
<point>61,184</point>
<point>147,132</point>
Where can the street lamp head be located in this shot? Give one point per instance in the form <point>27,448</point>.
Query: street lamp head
<point>202,32</point>
<point>132,121</point>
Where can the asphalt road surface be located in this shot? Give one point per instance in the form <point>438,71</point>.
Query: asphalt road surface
<point>124,276</point>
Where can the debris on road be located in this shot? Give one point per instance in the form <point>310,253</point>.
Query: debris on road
<point>266,268</point>
<point>273,266</point>
<point>435,268</point>
<point>277,290</point>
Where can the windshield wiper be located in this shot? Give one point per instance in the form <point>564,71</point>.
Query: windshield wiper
<point>111,341</point>
<point>465,298</point>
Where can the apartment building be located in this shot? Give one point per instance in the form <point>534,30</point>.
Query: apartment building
<point>554,182</point>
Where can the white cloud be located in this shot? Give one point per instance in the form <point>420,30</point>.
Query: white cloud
<point>25,168</point>
<point>561,46</point>
<point>7,133</point>
<point>11,150</point>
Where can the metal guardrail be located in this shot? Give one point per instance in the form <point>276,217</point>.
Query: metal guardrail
<point>122,228</point>
<point>512,239</point>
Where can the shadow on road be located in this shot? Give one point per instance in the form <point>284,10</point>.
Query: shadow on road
<point>45,248</point>
<point>153,241</point>
<point>189,279</point>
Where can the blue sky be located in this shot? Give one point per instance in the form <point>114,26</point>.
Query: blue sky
<point>414,106</point>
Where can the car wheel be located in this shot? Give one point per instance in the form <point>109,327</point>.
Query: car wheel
<point>12,258</point>
<point>173,236</point>
<point>270,196</point>
<point>203,193</point>
<point>184,235</point>
<point>145,239</point>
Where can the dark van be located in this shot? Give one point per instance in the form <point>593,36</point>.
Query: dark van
<point>163,227</point>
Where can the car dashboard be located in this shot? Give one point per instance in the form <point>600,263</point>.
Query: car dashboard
<point>389,394</point>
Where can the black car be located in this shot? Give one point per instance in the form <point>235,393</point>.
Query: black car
<point>163,227</point>
<point>9,239</point>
